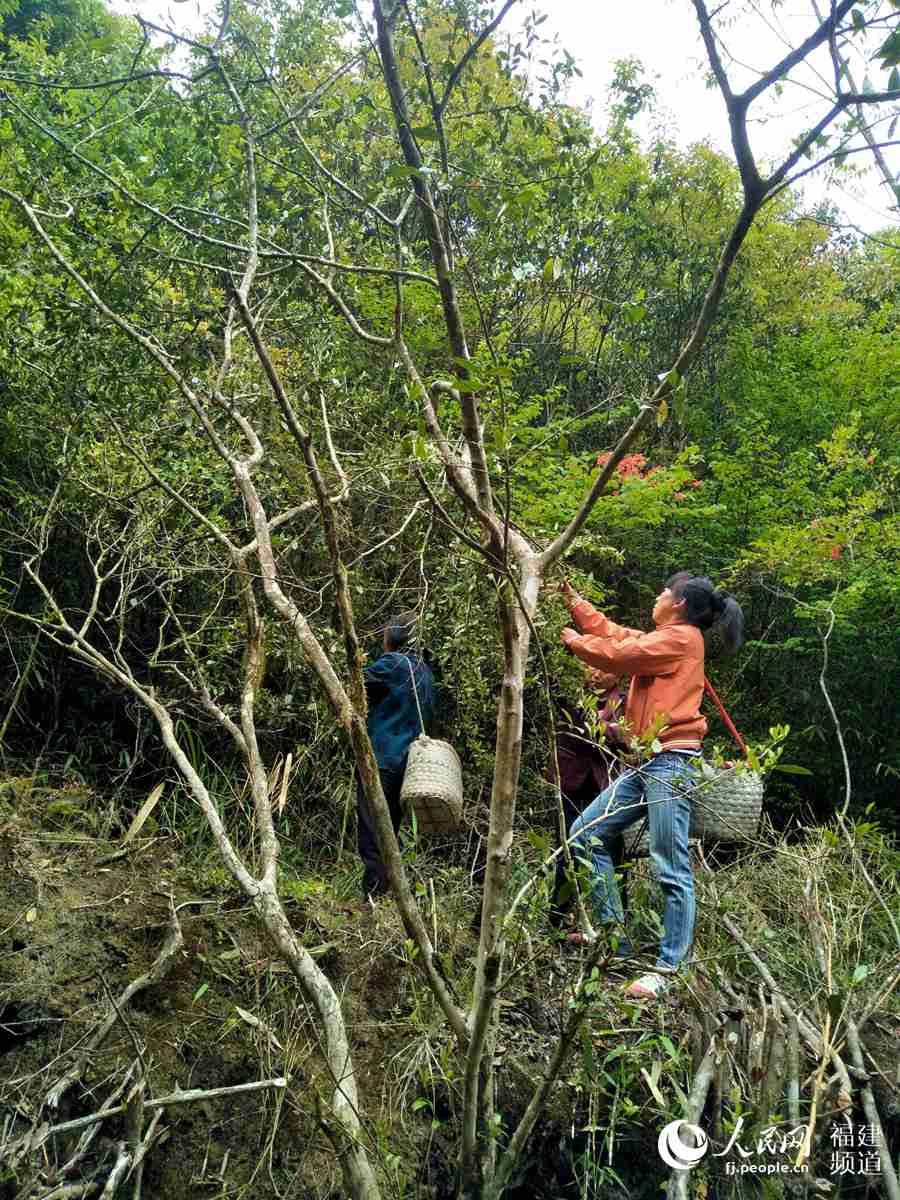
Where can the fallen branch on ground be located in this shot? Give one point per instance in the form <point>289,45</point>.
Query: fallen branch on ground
<point>678,1180</point>
<point>888,1174</point>
<point>160,968</point>
<point>84,1142</point>
<point>160,1102</point>
<point>117,1174</point>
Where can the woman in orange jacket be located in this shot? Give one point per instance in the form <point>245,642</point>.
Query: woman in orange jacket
<point>667,669</point>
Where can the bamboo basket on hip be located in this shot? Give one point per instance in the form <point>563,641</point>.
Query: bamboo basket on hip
<point>726,802</point>
<point>432,786</point>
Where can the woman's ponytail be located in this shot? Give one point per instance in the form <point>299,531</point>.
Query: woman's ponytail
<point>730,618</point>
<point>705,606</point>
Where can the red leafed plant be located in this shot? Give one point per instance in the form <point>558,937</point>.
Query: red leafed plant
<point>637,466</point>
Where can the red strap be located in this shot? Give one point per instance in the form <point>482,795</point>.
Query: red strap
<point>725,717</point>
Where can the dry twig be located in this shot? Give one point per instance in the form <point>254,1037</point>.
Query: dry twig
<point>888,1174</point>
<point>678,1180</point>
<point>172,944</point>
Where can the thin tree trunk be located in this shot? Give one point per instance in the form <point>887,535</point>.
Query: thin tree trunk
<point>515,619</point>
<point>358,1173</point>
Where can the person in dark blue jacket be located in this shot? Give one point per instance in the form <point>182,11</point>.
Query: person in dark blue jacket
<point>400,691</point>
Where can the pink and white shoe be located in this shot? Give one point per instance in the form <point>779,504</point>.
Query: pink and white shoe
<point>576,938</point>
<point>649,987</point>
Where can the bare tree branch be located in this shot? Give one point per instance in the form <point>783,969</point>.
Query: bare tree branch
<point>470,53</point>
<point>452,316</point>
<point>836,155</point>
<point>736,107</point>
<point>799,53</point>
<point>21,80</point>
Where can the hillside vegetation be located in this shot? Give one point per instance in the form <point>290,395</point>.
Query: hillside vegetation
<point>333,311</point>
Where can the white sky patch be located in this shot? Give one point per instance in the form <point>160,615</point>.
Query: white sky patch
<point>665,37</point>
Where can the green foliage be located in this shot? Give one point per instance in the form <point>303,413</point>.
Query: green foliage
<point>583,258</point>
<point>587,257</point>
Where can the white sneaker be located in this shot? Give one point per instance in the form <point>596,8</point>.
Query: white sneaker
<point>649,987</point>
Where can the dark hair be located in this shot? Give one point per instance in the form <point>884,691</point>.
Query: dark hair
<point>398,630</point>
<point>704,606</point>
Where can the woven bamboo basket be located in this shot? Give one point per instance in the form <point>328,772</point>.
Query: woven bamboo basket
<point>725,807</point>
<point>432,786</point>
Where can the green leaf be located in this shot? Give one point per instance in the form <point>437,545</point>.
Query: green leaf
<point>860,971</point>
<point>889,52</point>
<point>588,1058</point>
<point>540,841</point>
<point>894,80</point>
<point>859,23</point>
<point>399,172</point>
<point>200,992</point>
<point>792,769</point>
<point>419,446</point>
<point>552,270</point>
<point>671,377</point>
<point>679,402</point>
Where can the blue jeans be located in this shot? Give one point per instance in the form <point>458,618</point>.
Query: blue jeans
<point>659,790</point>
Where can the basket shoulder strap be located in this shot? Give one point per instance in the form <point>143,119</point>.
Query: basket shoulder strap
<point>711,691</point>
<point>412,676</point>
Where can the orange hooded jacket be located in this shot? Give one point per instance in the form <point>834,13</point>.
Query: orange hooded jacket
<point>666,667</point>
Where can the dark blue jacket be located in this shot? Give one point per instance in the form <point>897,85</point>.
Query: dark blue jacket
<point>393,715</point>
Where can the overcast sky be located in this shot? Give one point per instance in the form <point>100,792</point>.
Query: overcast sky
<point>663,34</point>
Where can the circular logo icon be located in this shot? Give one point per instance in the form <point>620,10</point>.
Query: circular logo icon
<point>677,1153</point>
